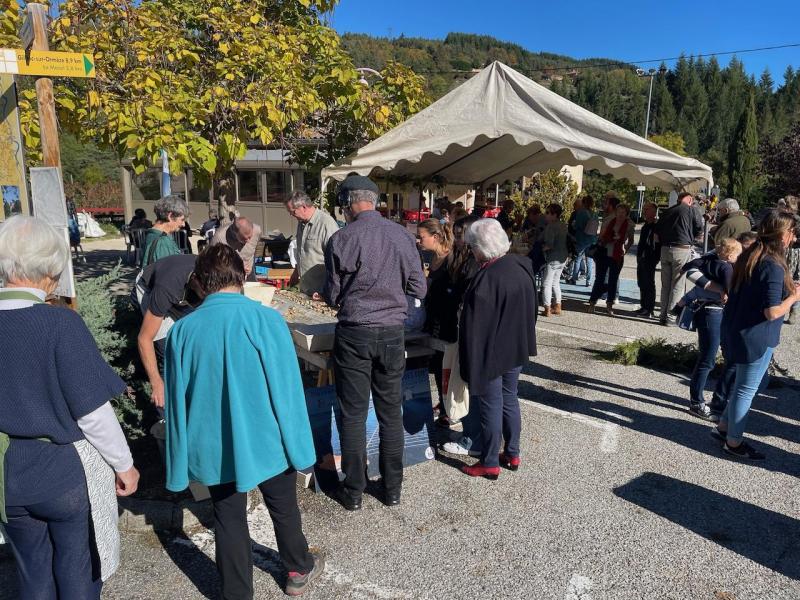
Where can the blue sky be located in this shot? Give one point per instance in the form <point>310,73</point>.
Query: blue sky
<point>620,29</point>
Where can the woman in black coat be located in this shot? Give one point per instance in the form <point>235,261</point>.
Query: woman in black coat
<point>496,338</point>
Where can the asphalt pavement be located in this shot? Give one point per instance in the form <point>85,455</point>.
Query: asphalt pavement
<point>622,494</point>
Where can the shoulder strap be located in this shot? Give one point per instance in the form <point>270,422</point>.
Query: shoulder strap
<point>153,247</point>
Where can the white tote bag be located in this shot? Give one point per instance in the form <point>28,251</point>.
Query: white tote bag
<point>455,394</point>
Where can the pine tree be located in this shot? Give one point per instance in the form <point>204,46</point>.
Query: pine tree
<point>743,156</point>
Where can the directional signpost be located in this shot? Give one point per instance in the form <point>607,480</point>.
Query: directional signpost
<point>46,64</point>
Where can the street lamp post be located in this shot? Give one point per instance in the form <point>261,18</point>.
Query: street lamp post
<point>651,74</point>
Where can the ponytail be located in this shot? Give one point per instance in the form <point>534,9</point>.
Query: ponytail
<point>444,233</point>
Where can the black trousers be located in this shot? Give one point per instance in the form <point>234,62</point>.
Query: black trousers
<point>370,359</point>
<point>646,280</point>
<point>234,555</point>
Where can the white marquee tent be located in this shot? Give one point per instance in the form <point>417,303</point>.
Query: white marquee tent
<point>500,126</point>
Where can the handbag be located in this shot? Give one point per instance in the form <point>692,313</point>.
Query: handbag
<point>593,250</point>
<point>455,394</point>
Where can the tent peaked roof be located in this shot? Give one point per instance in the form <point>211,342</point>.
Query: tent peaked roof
<point>499,126</point>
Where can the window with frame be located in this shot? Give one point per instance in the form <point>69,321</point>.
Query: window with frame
<point>249,185</point>
<point>279,186</point>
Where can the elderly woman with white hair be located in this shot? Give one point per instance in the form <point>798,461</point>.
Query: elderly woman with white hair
<point>60,441</point>
<point>497,337</point>
<point>171,213</point>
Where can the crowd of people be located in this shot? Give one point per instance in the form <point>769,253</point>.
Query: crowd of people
<point>227,384</point>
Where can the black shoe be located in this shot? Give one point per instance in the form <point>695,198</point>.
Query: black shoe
<point>718,435</point>
<point>676,310</point>
<point>700,410</point>
<point>667,322</point>
<point>643,312</point>
<point>297,583</point>
<point>743,450</point>
<point>347,501</point>
<point>717,408</point>
<point>391,498</point>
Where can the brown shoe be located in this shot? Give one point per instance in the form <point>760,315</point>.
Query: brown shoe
<point>556,309</point>
<point>610,310</point>
<point>547,311</point>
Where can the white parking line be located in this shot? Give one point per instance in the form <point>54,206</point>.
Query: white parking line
<point>609,441</point>
<point>579,588</point>
<point>263,536</point>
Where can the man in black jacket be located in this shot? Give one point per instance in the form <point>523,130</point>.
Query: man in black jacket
<point>676,229</point>
<point>648,253</point>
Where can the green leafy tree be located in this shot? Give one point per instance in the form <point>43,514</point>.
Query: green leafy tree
<point>202,79</point>
<point>544,189</point>
<point>671,141</point>
<point>743,160</point>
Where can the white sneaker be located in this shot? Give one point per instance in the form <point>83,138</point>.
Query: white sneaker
<point>459,449</point>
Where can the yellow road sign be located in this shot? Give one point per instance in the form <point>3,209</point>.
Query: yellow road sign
<point>46,64</point>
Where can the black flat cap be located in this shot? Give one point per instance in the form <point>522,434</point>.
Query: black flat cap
<point>358,182</point>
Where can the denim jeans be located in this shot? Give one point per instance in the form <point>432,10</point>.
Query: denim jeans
<point>500,417</point>
<point>52,545</point>
<point>708,321</point>
<point>370,359</point>
<point>552,282</point>
<point>606,267</point>
<point>745,386</point>
<point>580,257</point>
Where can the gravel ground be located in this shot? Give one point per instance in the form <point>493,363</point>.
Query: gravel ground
<point>622,495</point>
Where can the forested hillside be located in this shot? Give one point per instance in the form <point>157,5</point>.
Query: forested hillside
<point>696,99</point>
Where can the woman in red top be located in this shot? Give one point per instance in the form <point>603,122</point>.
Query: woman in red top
<point>615,239</point>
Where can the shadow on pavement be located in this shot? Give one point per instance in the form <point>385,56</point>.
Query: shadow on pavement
<point>688,432</point>
<point>193,562</point>
<point>763,536</point>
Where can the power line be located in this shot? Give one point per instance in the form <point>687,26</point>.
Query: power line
<point>620,63</point>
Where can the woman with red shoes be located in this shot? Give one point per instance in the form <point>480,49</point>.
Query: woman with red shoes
<point>496,339</point>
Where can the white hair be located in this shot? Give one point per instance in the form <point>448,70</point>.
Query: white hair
<point>487,239</point>
<point>363,196</point>
<point>299,199</point>
<point>31,249</point>
<point>729,204</point>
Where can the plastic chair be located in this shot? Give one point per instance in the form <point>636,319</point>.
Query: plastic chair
<point>182,240</point>
<point>138,238</point>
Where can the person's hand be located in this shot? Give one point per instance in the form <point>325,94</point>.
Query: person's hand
<point>157,395</point>
<point>796,291</point>
<point>316,296</point>
<point>724,298</point>
<point>127,482</point>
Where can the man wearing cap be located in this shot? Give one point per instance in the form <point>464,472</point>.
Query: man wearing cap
<point>371,266</point>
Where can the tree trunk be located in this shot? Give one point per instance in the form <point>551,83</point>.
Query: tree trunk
<point>225,188</point>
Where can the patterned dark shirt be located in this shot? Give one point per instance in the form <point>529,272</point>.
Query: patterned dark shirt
<point>372,264</point>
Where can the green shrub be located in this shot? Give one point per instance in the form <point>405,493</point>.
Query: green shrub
<point>656,353</point>
<point>113,323</point>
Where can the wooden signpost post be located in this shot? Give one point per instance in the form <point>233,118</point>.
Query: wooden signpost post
<point>36,59</point>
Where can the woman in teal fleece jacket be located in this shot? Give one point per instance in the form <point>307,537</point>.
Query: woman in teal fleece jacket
<point>236,419</point>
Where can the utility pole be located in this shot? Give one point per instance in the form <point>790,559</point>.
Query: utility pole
<point>48,122</point>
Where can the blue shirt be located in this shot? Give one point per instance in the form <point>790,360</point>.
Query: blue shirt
<point>746,332</point>
<point>53,374</point>
<point>235,407</point>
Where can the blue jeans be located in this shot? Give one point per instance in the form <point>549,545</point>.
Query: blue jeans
<point>708,321</point>
<point>500,417</point>
<point>745,386</point>
<point>580,256</point>
<point>51,542</point>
